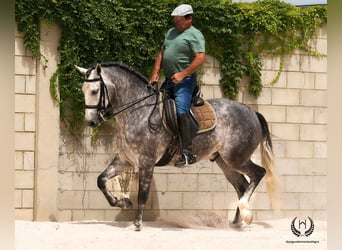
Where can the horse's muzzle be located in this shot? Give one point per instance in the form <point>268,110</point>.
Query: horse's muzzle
<point>94,121</point>
<point>92,124</point>
<point>92,118</point>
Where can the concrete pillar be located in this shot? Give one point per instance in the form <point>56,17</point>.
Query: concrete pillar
<point>47,136</point>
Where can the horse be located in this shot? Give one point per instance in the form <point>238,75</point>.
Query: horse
<point>116,90</point>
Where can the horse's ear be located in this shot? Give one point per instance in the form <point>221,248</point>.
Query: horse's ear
<point>81,70</point>
<point>98,69</point>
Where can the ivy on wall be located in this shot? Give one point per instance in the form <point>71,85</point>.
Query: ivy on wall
<point>130,31</point>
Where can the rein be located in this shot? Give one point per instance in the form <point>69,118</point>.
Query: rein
<point>106,112</point>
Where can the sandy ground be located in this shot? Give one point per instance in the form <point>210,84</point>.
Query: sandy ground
<point>166,234</point>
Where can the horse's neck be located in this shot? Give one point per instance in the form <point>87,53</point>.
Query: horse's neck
<point>123,88</point>
<point>132,93</point>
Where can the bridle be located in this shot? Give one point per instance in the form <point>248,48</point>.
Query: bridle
<point>106,112</point>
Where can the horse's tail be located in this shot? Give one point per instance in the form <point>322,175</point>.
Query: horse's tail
<point>266,145</point>
<point>267,156</point>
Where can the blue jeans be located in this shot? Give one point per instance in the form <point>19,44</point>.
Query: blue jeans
<point>181,93</point>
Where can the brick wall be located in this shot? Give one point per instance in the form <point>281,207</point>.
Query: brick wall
<point>25,129</point>
<point>295,108</point>
<point>36,129</point>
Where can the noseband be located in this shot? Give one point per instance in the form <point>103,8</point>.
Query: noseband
<point>105,112</point>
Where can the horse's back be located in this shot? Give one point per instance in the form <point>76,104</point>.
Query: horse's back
<point>238,128</point>
<point>234,113</point>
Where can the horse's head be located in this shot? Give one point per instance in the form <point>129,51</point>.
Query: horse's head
<point>95,92</point>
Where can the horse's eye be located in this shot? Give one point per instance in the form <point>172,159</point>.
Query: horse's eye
<point>94,91</point>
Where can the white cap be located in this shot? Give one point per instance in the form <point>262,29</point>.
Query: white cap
<point>182,10</point>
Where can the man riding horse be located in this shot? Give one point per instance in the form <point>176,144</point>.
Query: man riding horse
<point>181,55</point>
<point>110,89</point>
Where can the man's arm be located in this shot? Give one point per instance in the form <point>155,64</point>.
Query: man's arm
<point>192,68</point>
<point>156,67</point>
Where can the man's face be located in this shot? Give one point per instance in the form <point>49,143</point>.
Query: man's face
<point>181,23</point>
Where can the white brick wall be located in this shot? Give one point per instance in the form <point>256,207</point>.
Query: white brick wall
<point>295,107</point>
<point>25,101</point>
<point>34,115</point>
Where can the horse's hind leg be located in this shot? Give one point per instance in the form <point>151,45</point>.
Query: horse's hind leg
<point>255,174</point>
<point>110,172</point>
<point>240,185</point>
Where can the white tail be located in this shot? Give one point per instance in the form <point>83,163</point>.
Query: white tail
<point>272,184</point>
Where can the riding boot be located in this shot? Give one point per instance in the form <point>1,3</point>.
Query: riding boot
<point>187,129</point>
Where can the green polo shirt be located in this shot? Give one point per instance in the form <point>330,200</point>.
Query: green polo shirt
<point>179,49</point>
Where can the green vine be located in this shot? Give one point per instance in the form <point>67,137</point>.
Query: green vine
<point>237,34</point>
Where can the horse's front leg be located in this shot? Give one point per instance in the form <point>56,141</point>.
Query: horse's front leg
<point>110,172</point>
<point>145,179</point>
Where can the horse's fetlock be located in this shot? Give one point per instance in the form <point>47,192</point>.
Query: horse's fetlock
<point>243,203</point>
<point>101,182</point>
<point>125,203</point>
<point>113,201</point>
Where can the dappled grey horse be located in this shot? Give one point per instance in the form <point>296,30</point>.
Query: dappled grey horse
<point>113,89</point>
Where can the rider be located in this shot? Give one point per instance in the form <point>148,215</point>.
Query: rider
<point>181,55</point>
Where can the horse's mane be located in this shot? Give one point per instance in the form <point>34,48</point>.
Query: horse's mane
<point>124,67</point>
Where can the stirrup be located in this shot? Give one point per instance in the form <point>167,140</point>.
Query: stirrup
<point>187,159</point>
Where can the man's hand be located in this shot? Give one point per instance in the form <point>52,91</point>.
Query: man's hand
<point>154,78</point>
<point>178,77</point>
<point>192,68</point>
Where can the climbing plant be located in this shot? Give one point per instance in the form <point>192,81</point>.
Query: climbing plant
<point>129,31</point>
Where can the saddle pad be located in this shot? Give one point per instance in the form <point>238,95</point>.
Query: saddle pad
<point>205,116</point>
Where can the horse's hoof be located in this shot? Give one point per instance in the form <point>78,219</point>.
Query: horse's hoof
<point>245,213</point>
<point>233,224</point>
<point>247,216</point>
<point>137,226</point>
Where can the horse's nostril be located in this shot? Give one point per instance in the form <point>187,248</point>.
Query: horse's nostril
<point>91,124</point>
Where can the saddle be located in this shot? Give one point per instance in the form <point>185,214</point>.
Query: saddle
<point>202,115</point>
